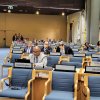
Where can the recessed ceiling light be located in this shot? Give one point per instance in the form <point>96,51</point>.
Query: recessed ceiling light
<point>63,14</point>
<point>37,12</point>
<point>9,11</point>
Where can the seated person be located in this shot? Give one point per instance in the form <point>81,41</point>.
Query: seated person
<point>87,46</point>
<point>46,48</point>
<point>29,48</point>
<point>38,58</point>
<point>63,49</point>
<point>98,46</point>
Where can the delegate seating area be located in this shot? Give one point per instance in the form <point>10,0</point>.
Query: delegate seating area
<point>66,77</point>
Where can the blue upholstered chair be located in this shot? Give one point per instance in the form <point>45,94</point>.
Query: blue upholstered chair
<point>74,61</point>
<point>63,86</point>
<point>96,55</point>
<point>11,59</point>
<point>19,84</point>
<point>90,53</point>
<point>91,90</point>
<point>52,60</point>
<point>95,59</point>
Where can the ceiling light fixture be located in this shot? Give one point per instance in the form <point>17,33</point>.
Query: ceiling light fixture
<point>37,12</point>
<point>9,11</point>
<point>60,8</point>
<point>10,7</point>
<point>63,14</point>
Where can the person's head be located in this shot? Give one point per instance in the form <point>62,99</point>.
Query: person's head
<point>29,44</point>
<point>46,44</point>
<point>98,43</point>
<point>87,44</point>
<point>36,51</point>
<point>61,44</point>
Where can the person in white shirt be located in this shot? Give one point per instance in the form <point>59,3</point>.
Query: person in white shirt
<point>38,58</point>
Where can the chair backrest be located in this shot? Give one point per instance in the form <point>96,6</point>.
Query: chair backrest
<point>20,77</point>
<point>76,59</point>
<point>15,56</point>
<point>94,85</point>
<point>95,55</point>
<point>76,47</point>
<point>96,59</point>
<point>52,60</point>
<point>63,81</point>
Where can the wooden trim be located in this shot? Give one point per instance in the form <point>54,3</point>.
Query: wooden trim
<point>29,89</point>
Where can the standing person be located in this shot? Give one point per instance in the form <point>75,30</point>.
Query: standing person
<point>22,39</point>
<point>14,38</point>
<point>38,58</point>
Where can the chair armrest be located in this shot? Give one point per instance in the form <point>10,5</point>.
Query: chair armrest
<point>29,88</point>
<point>2,82</point>
<point>75,91</point>
<point>47,88</point>
<point>5,60</point>
<point>59,62</point>
<point>9,56</point>
<point>86,92</point>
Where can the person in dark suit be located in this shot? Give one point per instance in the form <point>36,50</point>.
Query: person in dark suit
<point>15,37</point>
<point>46,48</point>
<point>98,43</point>
<point>29,48</point>
<point>63,49</point>
<point>87,46</point>
<point>22,39</point>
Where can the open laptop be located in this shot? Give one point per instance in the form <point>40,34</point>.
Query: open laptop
<point>22,63</point>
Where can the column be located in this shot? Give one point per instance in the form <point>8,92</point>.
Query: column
<point>94,22</point>
<point>88,14</point>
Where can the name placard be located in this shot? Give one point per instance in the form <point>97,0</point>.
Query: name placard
<point>92,69</point>
<point>65,68</point>
<point>55,54</point>
<point>96,55</point>
<point>20,45</point>
<point>17,51</point>
<point>75,50</point>
<point>16,47</point>
<point>93,50</point>
<point>76,46</point>
<point>95,63</point>
<point>79,55</point>
<point>23,65</point>
<point>41,74</point>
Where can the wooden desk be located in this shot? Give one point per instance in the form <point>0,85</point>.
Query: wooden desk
<point>24,56</point>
